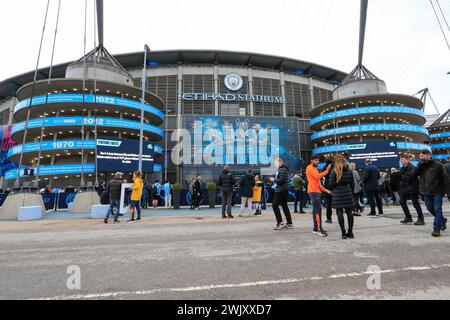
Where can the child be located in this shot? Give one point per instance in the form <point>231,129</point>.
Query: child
<point>258,193</point>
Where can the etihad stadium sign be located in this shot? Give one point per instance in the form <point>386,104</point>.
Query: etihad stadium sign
<point>230,97</point>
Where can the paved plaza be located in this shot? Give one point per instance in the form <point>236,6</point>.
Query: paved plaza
<point>196,255</point>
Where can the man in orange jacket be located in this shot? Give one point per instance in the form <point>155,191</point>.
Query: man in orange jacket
<point>314,190</point>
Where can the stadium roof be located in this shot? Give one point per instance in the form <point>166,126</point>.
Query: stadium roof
<point>9,86</point>
<point>442,120</point>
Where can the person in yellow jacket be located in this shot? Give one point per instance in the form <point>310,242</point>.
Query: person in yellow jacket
<point>258,192</point>
<point>136,195</point>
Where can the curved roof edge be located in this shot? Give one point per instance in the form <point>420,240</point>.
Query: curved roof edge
<point>442,120</point>
<point>8,87</point>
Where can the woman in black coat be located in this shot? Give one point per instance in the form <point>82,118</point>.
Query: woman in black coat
<point>341,182</point>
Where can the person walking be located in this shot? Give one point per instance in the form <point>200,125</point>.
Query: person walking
<point>258,194</point>
<point>247,183</point>
<point>314,191</point>
<point>409,190</point>
<point>298,191</point>
<point>167,194</point>
<point>395,185</point>
<point>114,189</point>
<point>357,188</point>
<point>281,186</point>
<point>434,183</point>
<point>342,184</point>
<point>191,192</point>
<point>226,184</point>
<point>136,196</point>
<point>198,192</point>
<point>371,178</point>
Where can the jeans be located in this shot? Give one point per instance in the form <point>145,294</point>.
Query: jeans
<point>372,197</point>
<point>227,196</point>
<point>317,210</point>
<point>434,206</point>
<point>415,200</point>
<point>281,198</point>
<point>340,214</point>
<point>298,200</point>
<point>113,203</point>
<point>246,201</point>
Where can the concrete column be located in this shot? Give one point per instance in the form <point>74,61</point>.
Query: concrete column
<point>311,92</point>
<point>179,111</point>
<point>283,94</point>
<point>250,91</point>
<point>216,89</point>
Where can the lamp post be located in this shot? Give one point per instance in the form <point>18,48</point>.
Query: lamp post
<point>144,82</point>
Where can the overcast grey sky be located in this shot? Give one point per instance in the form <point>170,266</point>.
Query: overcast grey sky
<point>404,45</point>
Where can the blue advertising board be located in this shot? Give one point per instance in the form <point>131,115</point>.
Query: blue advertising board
<point>123,156</point>
<point>370,128</point>
<point>366,110</point>
<point>87,121</point>
<point>88,98</point>
<point>384,154</point>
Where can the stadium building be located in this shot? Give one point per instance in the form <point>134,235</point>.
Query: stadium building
<point>190,89</point>
<point>362,113</point>
<point>440,137</point>
<point>60,125</point>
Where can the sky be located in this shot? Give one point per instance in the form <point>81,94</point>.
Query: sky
<point>404,45</point>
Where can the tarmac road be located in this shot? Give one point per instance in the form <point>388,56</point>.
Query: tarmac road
<point>207,258</point>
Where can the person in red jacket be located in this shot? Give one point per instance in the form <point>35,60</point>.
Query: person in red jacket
<point>314,190</point>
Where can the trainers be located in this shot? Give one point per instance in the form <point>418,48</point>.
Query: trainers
<point>280,226</point>
<point>290,226</point>
<point>419,223</point>
<point>302,212</point>
<point>329,221</point>
<point>444,225</point>
<point>436,233</point>
<point>230,217</point>
<point>116,222</point>
<point>131,221</point>
<point>138,219</point>
<point>406,221</point>
<point>371,214</point>
<point>321,233</point>
<point>296,212</point>
<point>105,220</point>
<point>350,235</point>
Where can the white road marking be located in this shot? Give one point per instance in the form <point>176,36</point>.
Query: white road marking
<point>238,285</point>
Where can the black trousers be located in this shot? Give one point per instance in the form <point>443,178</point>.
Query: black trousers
<point>280,199</point>
<point>340,214</point>
<point>329,204</point>
<point>374,197</point>
<point>298,200</point>
<point>227,196</point>
<point>415,200</point>
<point>197,200</point>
